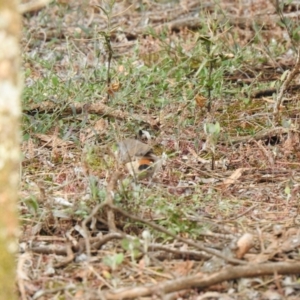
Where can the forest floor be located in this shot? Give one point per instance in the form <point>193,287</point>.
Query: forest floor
<point>213,87</point>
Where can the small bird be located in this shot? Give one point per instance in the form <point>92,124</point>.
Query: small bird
<point>138,158</point>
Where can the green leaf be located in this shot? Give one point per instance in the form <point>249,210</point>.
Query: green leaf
<point>284,75</point>
<point>125,244</point>
<point>287,190</point>
<point>32,204</point>
<point>119,258</point>
<point>55,80</point>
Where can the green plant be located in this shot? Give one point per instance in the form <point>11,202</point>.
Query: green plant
<point>113,261</point>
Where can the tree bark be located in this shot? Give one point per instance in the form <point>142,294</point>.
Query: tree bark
<point>10,111</point>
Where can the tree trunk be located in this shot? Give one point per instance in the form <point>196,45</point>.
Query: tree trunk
<point>10,91</point>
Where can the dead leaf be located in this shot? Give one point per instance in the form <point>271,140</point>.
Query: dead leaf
<point>201,101</point>
<point>291,243</point>
<point>244,244</point>
<point>101,125</point>
<point>183,268</point>
<point>48,139</point>
<point>291,143</point>
<point>233,177</point>
<point>99,128</point>
<point>113,87</point>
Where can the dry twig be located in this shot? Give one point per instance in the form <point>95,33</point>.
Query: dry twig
<point>286,84</point>
<point>177,237</point>
<point>96,108</point>
<point>204,281</point>
<point>263,134</point>
<point>33,6</point>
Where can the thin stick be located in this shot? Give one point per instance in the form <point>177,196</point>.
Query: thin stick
<point>186,241</point>
<point>204,281</point>
<point>33,6</point>
<point>110,216</point>
<point>286,84</point>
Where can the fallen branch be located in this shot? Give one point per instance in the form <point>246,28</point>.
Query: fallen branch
<point>182,254</point>
<point>70,257</point>
<point>263,134</point>
<point>270,92</point>
<point>177,237</point>
<point>109,201</point>
<point>96,108</point>
<point>105,239</point>
<point>51,249</point>
<point>98,242</point>
<point>204,281</point>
